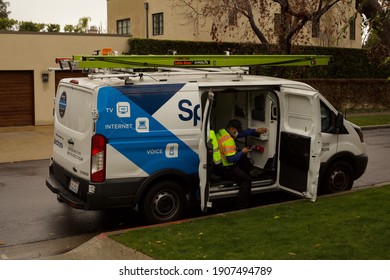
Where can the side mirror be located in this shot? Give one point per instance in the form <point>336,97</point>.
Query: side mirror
<point>339,123</point>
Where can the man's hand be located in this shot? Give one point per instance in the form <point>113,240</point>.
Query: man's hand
<point>261,130</point>
<point>245,150</point>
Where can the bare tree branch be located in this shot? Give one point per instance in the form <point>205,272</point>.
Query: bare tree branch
<point>258,14</point>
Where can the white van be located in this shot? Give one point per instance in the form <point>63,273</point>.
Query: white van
<point>142,141</point>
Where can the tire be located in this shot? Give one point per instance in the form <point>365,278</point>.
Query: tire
<point>164,202</point>
<point>337,178</point>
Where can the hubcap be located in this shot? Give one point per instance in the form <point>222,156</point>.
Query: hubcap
<point>339,179</point>
<point>164,204</point>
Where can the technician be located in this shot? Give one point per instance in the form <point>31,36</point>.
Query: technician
<point>235,163</point>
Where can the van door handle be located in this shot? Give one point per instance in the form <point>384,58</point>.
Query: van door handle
<point>71,142</point>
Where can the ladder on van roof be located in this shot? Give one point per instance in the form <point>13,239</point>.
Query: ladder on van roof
<point>79,62</point>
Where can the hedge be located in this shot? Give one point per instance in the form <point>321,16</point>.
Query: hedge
<point>350,81</point>
<point>345,63</point>
<point>354,94</point>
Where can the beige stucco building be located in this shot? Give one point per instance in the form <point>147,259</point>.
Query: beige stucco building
<point>26,97</point>
<point>156,19</point>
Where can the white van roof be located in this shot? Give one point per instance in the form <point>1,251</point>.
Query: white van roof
<point>202,79</point>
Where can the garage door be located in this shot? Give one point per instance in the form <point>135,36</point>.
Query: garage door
<point>16,98</point>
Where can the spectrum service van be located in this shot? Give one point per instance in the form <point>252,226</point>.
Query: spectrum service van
<point>142,140</point>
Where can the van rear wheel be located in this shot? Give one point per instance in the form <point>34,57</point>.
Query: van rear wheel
<point>164,202</point>
<point>338,178</point>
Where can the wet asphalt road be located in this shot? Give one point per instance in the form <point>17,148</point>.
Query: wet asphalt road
<point>30,212</point>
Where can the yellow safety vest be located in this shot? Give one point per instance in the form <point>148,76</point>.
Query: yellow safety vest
<point>227,146</point>
<point>216,152</point>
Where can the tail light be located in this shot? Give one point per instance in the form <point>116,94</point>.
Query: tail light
<point>98,158</point>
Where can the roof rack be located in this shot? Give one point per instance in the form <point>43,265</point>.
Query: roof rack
<point>162,76</point>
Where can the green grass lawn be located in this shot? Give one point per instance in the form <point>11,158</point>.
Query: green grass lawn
<point>371,119</point>
<point>349,226</point>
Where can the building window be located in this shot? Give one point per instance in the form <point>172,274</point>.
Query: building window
<point>277,23</point>
<point>123,26</point>
<point>282,23</point>
<point>233,18</point>
<point>158,24</point>
<point>315,28</point>
<point>352,29</point>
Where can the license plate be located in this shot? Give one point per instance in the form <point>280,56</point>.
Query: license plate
<point>74,185</point>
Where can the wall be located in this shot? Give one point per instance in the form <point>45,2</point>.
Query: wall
<point>354,94</point>
<point>178,27</point>
<point>124,9</point>
<point>37,52</point>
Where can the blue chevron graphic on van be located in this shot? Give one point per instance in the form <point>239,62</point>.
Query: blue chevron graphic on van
<point>137,135</point>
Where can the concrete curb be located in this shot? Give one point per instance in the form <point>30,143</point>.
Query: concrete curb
<point>372,127</point>
<point>101,247</point>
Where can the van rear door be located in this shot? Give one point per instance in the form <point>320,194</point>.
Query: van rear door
<point>299,142</point>
<point>73,129</point>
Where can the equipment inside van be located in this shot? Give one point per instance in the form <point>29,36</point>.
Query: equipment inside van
<point>141,139</point>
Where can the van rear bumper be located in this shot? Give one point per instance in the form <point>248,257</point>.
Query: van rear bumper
<point>64,194</point>
<point>93,196</point>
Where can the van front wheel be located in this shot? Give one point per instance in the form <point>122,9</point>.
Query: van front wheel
<point>338,178</point>
<point>164,202</point>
